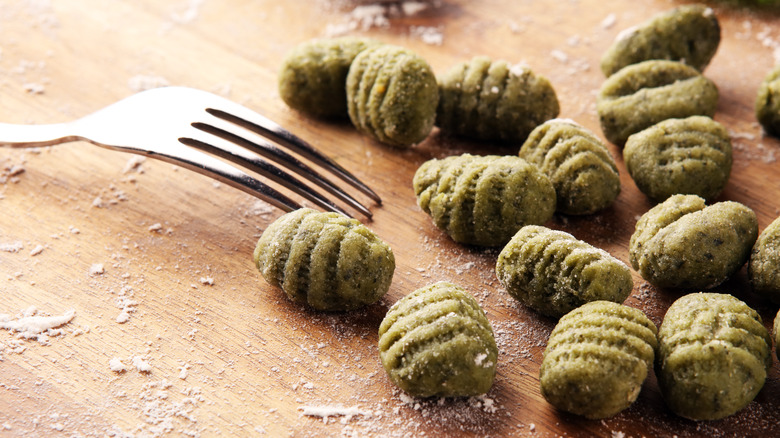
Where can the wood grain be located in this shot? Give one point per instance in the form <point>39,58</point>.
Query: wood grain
<point>236,358</point>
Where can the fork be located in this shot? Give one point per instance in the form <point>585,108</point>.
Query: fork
<point>191,128</point>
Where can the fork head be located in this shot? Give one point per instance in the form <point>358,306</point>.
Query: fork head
<point>171,123</point>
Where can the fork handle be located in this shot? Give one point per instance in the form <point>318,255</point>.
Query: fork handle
<point>28,136</point>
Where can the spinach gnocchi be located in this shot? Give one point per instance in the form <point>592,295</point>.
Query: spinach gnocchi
<point>764,263</point>
<point>768,102</point>
<point>325,260</point>
<point>689,33</point>
<point>437,341</point>
<point>553,273</point>
<point>683,243</point>
<point>641,95</point>
<point>313,75</point>
<point>597,359</point>
<point>483,200</point>
<point>689,156</point>
<point>493,100</point>
<point>714,354</point>
<point>579,165</point>
<point>392,95</point>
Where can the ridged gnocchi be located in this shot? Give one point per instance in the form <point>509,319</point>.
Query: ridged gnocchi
<point>325,260</point>
<point>578,164</point>
<point>493,100</point>
<point>437,341</point>
<point>714,354</point>
<point>641,95</point>
<point>392,95</point>
<point>553,273</point>
<point>483,200</point>
<point>597,359</point>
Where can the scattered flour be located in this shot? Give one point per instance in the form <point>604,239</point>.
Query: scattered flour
<point>116,365</point>
<point>97,269</point>
<point>609,21</point>
<point>125,302</point>
<point>189,14</point>
<point>146,82</point>
<point>29,325</point>
<point>37,250</point>
<point>141,364</point>
<point>366,15</point>
<point>326,412</point>
<point>12,247</point>
<point>134,164</point>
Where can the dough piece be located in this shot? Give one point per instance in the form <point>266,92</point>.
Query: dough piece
<point>483,200</point>
<point>688,156</point>
<point>579,165</point>
<point>392,95</point>
<point>681,243</point>
<point>714,354</point>
<point>641,95</point>
<point>313,76</point>
<point>768,102</point>
<point>325,260</point>
<point>689,33</point>
<point>554,273</point>
<point>764,264</point>
<point>776,333</point>
<point>493,100</point>
<point>597,359</point>
<point>437,341</point>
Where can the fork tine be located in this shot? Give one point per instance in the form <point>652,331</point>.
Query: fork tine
<point>244,158</point>
<point>273,153</point>
<point>269,129</point>
<point>207,165</point>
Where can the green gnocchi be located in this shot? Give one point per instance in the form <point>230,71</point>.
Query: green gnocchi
<point>683,243</point>
<point>493,100</point>
<point>641,95</point>
<point>325,260</point>
<point>553,273</point>
<point>689,156</point>
<point>392,95</point>
<point>437,341</point>
<point>483,200</point>
<point>688,33</point>
<point>597,359</point>
<point>313,75</point>
<point>579,165</point>
<point>714,354</point>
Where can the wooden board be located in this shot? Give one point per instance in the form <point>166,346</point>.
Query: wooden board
<point>231,356</point>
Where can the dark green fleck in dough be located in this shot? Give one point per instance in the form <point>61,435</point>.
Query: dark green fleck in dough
<point>553,273</point>
<point>597,359</point>
<point>682,243</point>
<point>688,156</point>
<point>689,33</point>
<point>325,260</point>
<point>641,95</point>
<point>714,354</point>
<point>483,200</point>
<point>392,95</point>
<point>437,341</point>
<point>313,76</point>
<point>579,165</point>
<point>768,102</point>
<point>493,100</point>
<point>764,264</point>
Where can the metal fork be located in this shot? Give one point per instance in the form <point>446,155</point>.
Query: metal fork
<point>179,124</point>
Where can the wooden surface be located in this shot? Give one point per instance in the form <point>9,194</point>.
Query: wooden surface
<point>231,356</point>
